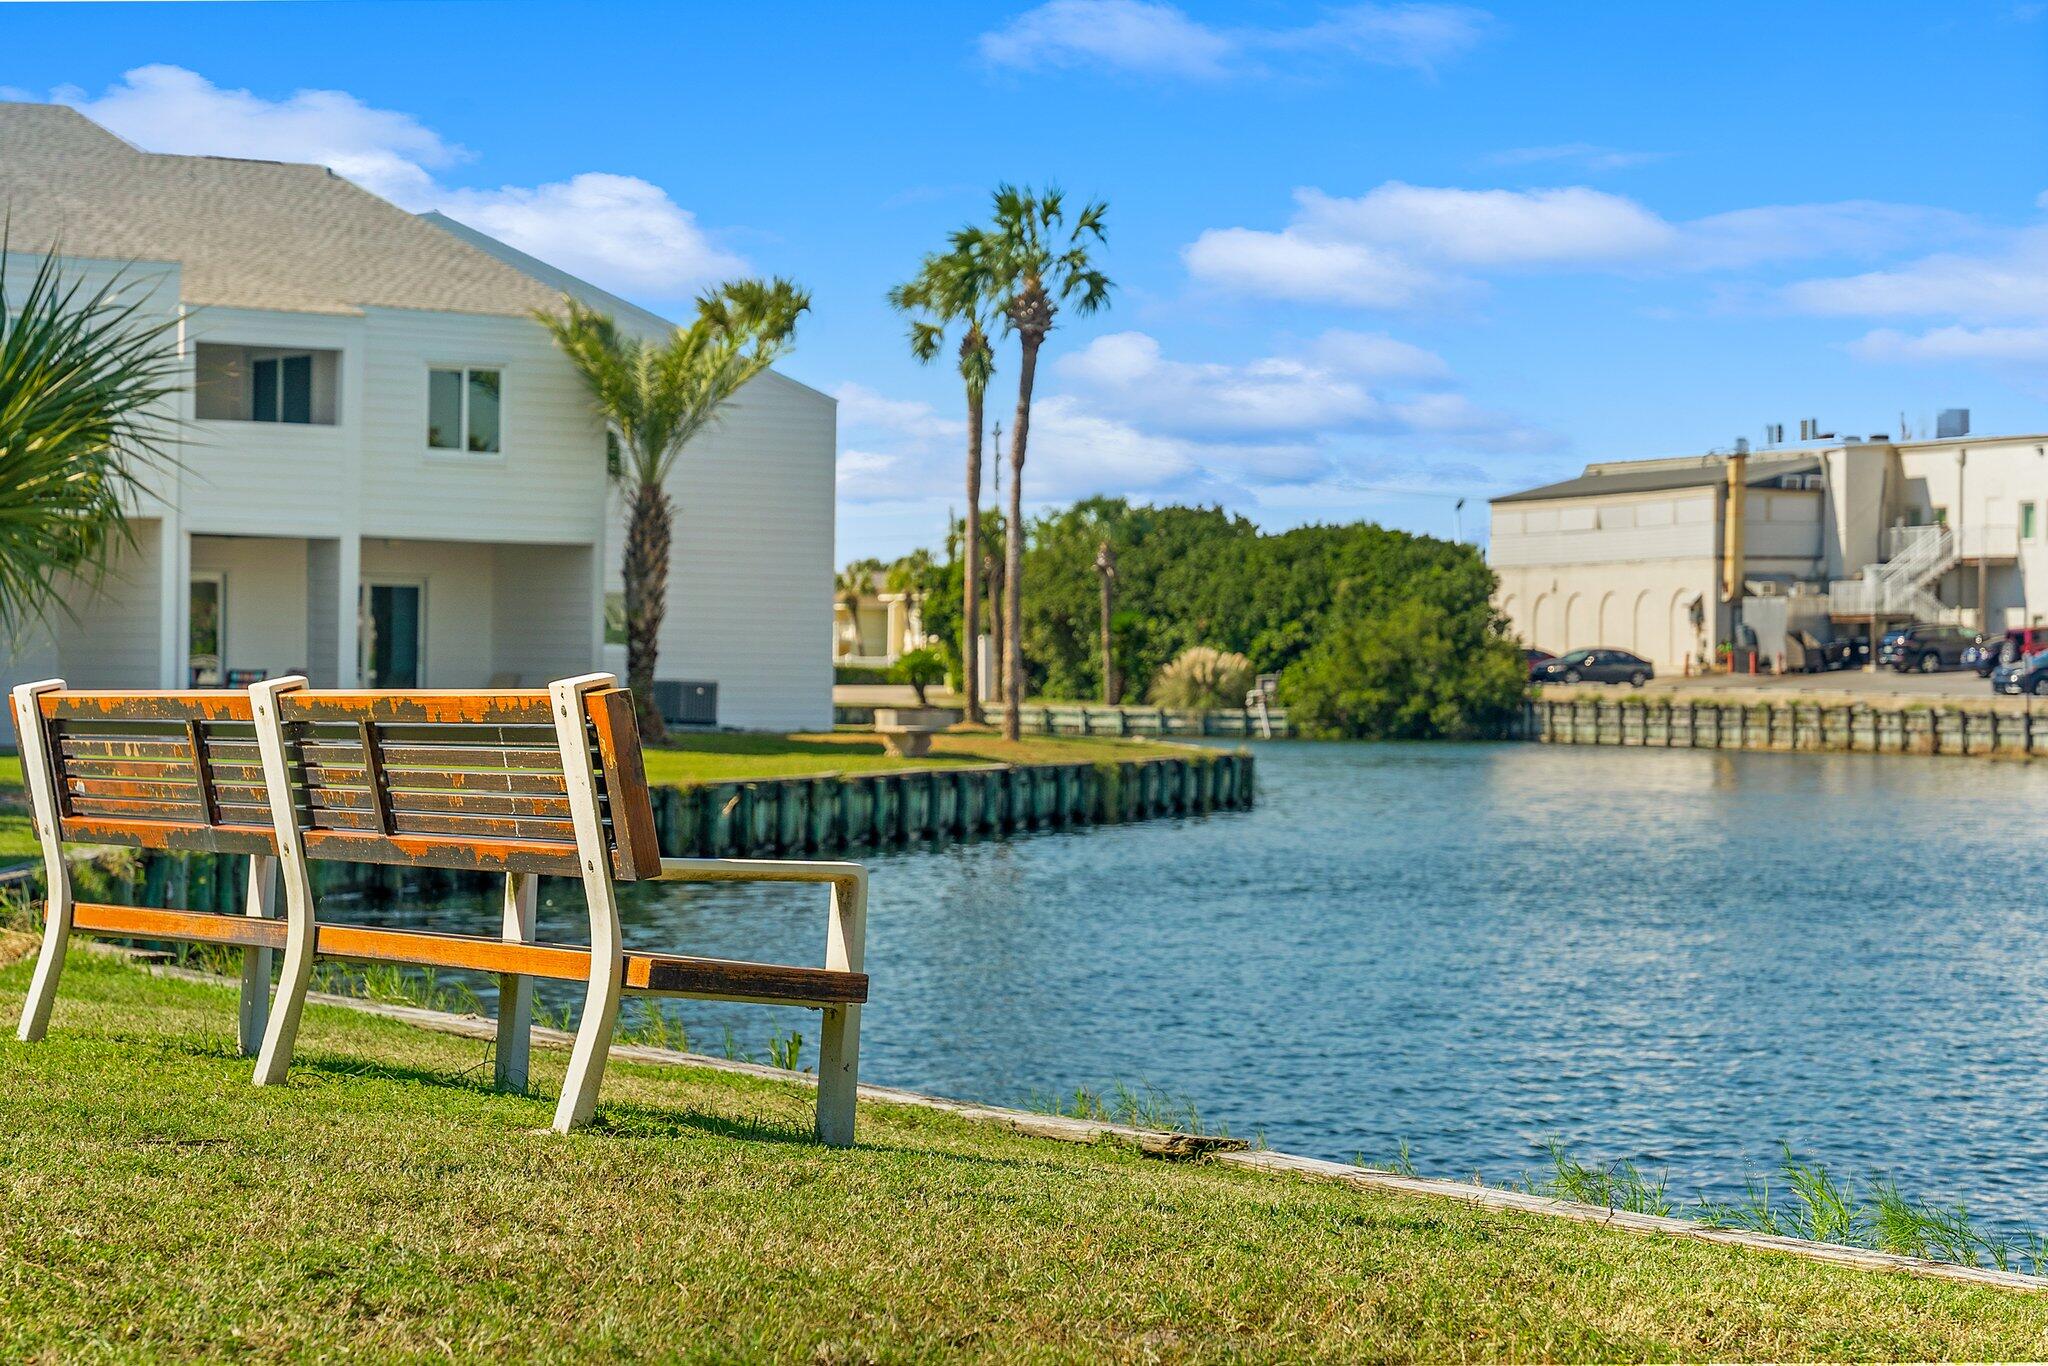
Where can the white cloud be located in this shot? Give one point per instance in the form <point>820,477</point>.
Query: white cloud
<point>1146,38</point>
<point>617,230</point>
<point>1591,156</point>
<point>649,242</point>
<point>1126,372</point>
<point>1794,232</point>
<point>1294,265</point>
<point>163,108</point>
<point>1378,355</point>
<point>1996,345</point>
<point>1401,245</point>
<point>1490,227</point>
<point>2012,283</point>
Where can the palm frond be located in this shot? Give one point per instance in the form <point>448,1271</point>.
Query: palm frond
<point>83,379</point>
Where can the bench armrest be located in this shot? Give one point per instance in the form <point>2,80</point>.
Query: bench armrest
<point>845,943</point>
<point>758,870</point>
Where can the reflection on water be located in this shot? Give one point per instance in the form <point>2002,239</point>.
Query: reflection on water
<point>1672,956</point>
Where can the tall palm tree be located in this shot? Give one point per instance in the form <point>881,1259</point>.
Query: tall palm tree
<point>946,292</point>
<point>83,373</point>
<point>1031,263</point>
<point>655,397</point>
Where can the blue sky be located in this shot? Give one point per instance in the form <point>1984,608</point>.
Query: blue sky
<point>1371,258</point>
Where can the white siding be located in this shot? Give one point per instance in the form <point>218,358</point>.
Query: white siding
<point>114,640</point>
<point>264,608</point>
<point>541,626</point>
<point>1659,527</point>
<point>547,482</point>
<point>750,574</point>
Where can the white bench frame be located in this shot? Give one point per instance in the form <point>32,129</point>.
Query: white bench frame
<point>268,1022</point>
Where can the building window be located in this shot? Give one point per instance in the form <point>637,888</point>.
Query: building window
<point>2026,521</point>
<point>464,410</point>
<point>265,384</point>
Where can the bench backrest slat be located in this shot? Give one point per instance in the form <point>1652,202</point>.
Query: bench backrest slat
<point>470,781</point>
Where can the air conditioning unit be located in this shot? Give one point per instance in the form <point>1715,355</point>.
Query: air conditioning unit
<point>684,703</point>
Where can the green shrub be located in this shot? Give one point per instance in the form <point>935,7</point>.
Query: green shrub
<point>1203,678</point>
<point>1416,671</point>
<point>859,673</point>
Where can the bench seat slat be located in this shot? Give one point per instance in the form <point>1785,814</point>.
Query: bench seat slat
<point>232,838</point>
<point>667,974</point>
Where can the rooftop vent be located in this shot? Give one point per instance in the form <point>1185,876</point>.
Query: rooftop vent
<point>1950,423</point>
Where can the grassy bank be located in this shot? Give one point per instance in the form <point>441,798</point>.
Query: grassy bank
<point>387,1202</point>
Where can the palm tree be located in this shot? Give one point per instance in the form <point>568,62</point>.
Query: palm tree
<point>655,397</point>
<point>1030,262</point>
<point>80,373</point>
<point>944,292</point>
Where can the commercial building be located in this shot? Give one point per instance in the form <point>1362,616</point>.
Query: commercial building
<point>1832,536</point>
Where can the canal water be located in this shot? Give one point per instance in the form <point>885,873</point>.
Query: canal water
<point>1679,958</point>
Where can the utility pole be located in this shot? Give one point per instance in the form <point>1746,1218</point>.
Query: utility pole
<point>1105,566</point>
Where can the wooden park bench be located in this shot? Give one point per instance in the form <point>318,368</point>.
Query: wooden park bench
<point>523,784</point>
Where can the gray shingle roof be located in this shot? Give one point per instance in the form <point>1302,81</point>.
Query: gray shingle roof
<point>1666,477</point>
<point>246,234</point>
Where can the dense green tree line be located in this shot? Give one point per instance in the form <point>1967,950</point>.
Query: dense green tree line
<point>1374,633</point>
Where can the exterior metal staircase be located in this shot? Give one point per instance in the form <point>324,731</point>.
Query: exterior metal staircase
<point>1901,586</point>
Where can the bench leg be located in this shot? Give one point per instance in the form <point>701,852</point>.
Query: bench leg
<point>281,1031</point>
<point>515,993</point>
<point>42,988</point>
<point>838,1075</point>
<point>36,770</point>
<point>257,963</point>
<point>607,953</point>
<point>839,1043</point>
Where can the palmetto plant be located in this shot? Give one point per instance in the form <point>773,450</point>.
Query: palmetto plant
<point>1031,262</point>
<point>80,371</point>
<point>947,292</point>
<point>655,397</point>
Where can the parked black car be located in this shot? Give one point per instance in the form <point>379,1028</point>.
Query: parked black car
<point>1925,649</point>
<point>1595,666</point>
<point>1831,656</point>
<point>1536,659</point>
<point>2028,675</point>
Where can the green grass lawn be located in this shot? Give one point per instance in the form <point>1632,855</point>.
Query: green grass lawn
<point>387,1203</point>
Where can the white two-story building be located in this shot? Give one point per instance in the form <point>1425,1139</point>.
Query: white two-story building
<point>386,475</point>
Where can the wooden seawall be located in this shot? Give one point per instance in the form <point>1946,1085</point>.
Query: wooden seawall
<point>1991,728</point>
